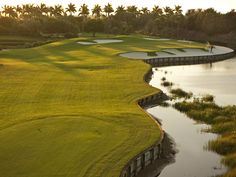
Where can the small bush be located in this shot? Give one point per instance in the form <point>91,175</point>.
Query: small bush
<point>208,98</point>
<point>164,104</point>
<point>179,93</point>
<point>167,84</point>
<point>163,79</point>
<point>224,145</point>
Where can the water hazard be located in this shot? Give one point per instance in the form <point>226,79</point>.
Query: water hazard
<point>193,159</point>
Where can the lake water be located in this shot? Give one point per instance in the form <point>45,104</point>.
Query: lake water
<point>218,79</point>
<point>192,159</point>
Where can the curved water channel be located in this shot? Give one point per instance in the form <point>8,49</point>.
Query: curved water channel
<point>193,159</point>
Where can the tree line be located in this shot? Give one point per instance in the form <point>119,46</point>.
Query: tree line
<point>30,19</point>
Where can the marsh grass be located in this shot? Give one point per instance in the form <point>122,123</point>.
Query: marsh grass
<point>222,121</point>
<point>208,98</point>
<point>179,93</point>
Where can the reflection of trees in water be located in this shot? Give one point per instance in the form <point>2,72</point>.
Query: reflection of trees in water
<point>207,66</point>
<point>227,65</point>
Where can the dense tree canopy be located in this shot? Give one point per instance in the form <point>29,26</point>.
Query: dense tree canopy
<point>33,19</point>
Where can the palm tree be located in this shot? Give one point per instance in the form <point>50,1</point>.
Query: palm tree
<point>58,10</point>
<point>43,9</point>
<point>71,9</point>
<point>190,12</point>
<point>5,10</point>
<point>168,11</point>
<point>24,9</point>
<point>210,11</point>
<point>120,10</point>
<point>28,9</point>
<point>10,11</point>
<point>84,10</point>
<point>97,10</point>
<point>133,10</point>
<point>51,11</point>
<point>157,11</point>
<point>108,9</point>
<point>145,10</point>
<point>36,11</point>
<point>178,10</point>
<point>19,10</point>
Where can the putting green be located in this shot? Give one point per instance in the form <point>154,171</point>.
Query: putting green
<point>69,110</point>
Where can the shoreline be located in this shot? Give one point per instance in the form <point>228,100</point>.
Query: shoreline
<point>154,159</point>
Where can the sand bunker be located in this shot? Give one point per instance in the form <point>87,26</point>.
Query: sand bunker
<point>184,41</point>
<point>86,43</point>
<point>177,53</point>
<point>156,39</point>
<point>107,41</point>
<point>100,41</point>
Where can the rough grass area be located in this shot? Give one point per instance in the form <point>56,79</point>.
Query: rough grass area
<point>223,121</point>
<point>14,42</point>
<point>70,110</point>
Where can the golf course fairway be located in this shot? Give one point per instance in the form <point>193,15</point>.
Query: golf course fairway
<point>69,110</point>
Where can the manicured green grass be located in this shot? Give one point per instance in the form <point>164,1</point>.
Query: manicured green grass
<point>70,110</point>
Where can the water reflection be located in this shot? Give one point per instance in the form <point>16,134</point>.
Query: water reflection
<point>218,79</point>
<point>192,159</point>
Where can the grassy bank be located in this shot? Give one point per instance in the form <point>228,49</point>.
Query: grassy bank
<point>16,42</point>
<point>70,110</point>
<point>223,121</point>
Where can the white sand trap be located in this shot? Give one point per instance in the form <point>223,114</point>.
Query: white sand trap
<point>100,41</point>
<point>107,41</point>
<point>185,41</point>
<point>156,39</point>
<point>86,43</point>
<point>177,53</point>
<point>137,55</point>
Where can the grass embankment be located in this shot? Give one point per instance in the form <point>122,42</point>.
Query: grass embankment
<point>70,110</point>
<point>223,121</point>
<point>13,42</point>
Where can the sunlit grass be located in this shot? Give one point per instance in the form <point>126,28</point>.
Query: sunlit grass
<point>70,110</point>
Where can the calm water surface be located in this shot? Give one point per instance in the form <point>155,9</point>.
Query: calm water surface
<point>192,159</point>
<point>218,79</point>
